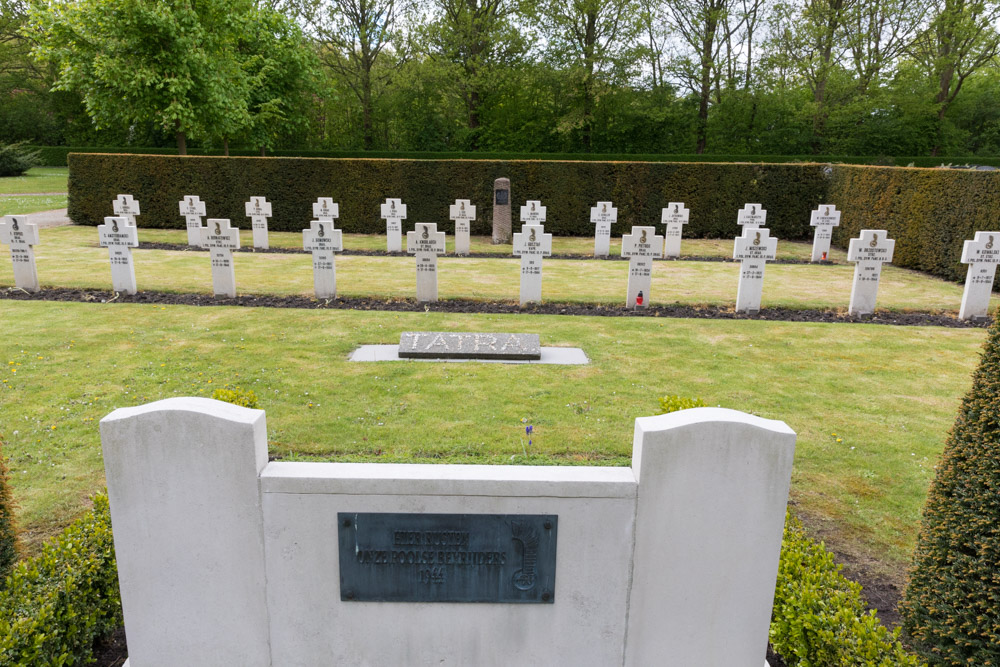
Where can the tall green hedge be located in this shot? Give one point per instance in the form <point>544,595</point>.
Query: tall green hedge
<point>929,212</point>
<point>8,526</point>
<point>713,192</point>
<point>952,604</point>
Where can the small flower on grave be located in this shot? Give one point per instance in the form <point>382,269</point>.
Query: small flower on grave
<point>528,429</point>
<point>524,420</point>
<point>840,439</point>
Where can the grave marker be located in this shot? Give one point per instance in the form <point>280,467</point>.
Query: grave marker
<point>21,235</point>
<point>394,212</point>
<point>221,239</point>
<point>533,213</point>
<point>982,255</point>
<point>126,205</point>
<point>193,210</point>
<point>258,209</point>
<point>532,244</point>
<point>426,243</point>
<point>119,237</point>
<point>870,251</point>
<point>752,249</point>
<point>751,216</point>
<point>824,219</point>
<point>641,247</point>
<point>603,216</point>
<point>322,240</point>
<point>462,213</point>
<point>326,210</point>
<point>452,345</point>
<point>501,211</point>
<point>674,216</point>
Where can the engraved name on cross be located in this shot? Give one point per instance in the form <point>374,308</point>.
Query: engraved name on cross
<point>603,216</point>
<point>394,212</point>
<point>426,243</point>
<point>641,247</point>
<point>752,249</point>
<point>462,213</point>
<point>193,210</point>
<point>21,235</point>
<point>326,210</point>
<point>824,219</point>
<point>119,237</point>
<point>533,213</point>
<point>322,240</point>
<point>126,205</point>
<point>674,216</point>
<point>258,209</point>
<point>871,251</point>
<point>751,216</point>
<point>532,244</point>
<point>982,255</point>
<point>221,240</point>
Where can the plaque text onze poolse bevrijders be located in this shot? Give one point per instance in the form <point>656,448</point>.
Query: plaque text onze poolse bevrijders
<point>397,557</point>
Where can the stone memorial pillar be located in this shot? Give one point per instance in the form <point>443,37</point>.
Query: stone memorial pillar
<point>982,255</point>
<point>603,216</point>
<point>326,210</point>
<point>21,235</point>
<point>322,240</point>
<point>258,210</point>
<point>126,205</point>
<point>426,243</point>
<point>221,239</point>
<point>674,216</point>
<point>462,213</point>
<point>193,210</point>
<point>752,249</point>
<point>119,237</point>
<point>532,213</point>
<point>641,247</point>
<point>501,211</point>
<point>870,251</point>
<point>532,244</point>
<point>824,219</point>
<point>394,212</point>
<point>751,216</point>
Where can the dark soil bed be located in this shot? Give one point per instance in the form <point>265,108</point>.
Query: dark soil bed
<point>491,307</point>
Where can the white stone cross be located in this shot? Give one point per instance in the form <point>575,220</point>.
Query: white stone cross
<point>258,209</point>
<point>193,210</point>
<point>674,216</point>
<point>603,216</point>
<point>982,255</point>
<point>426,243</point>
<point>119,237</point>
<point>871,251</point>
<point>322,240</point>
<point>221,239</point>
<point>824,219</point>
<point>326,210</point>
<point>126,205</point>
<point>532,244</point>
<point>752,249</point>
<point>394,212</point>
<point>641,247</point>
<point>751,215</point>
<point>462,213</point>
<point>21,235</point>
<point>533,213</point>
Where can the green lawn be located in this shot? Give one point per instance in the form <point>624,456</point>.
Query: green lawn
<point>871,404</point>
<point>70,257</point>
<point>22,204</point>
<point>37,179</point>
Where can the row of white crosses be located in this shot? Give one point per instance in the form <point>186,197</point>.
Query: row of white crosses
<point>462,213</point>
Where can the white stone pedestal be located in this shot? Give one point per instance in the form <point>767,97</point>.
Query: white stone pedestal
<point>322,240</point>
<point>21,235</point>
<point>641,247</point>
<point>394,212</point>
<point>873,249</point>
<point>674,216</point>
<point>462,213</point>
<point>531,244</point>
<point>753,249</point>
<point>824,219</point>
<point>603,216</point>
<point>982,255</point>
<point>119,237</point>
<point>425,243</point>
<point>221,239</point>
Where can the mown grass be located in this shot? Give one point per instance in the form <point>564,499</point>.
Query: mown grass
<point>37,179</point>
<point>23,204</point>
<point>871,404</point>
<point>70,257</point>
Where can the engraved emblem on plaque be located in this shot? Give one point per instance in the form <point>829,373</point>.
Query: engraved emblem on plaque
<point>525,578</point>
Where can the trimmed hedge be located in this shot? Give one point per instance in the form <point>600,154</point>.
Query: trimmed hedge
<point>54,606</point>
<point>952,604</point>
<point>8,526</point>
<point>713,192</point>
<point>929,212</point>
<point>819,617</point>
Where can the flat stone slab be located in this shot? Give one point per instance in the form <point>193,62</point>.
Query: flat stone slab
<point>453,345</point>
<point>568,356</point>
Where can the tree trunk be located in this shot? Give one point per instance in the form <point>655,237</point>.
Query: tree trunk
<point>590,42</point>
<point>225,147</point>
<point>182,148</point>
<point>366,111</point>
<point>706,84</point>
<point>263,151</point>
